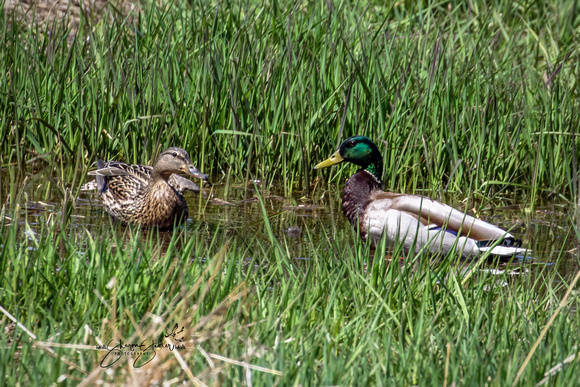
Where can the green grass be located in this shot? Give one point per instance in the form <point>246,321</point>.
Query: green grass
<point>333,319</point>
<point>477,102</point>
<point>267,90</point>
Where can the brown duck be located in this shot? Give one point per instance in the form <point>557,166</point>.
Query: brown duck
<point>144,195</point>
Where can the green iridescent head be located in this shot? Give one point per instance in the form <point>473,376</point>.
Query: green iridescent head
<point>359,150</point>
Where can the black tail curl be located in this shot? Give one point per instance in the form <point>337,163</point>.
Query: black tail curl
<point>509,242</point>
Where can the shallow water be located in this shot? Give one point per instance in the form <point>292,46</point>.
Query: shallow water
<point>296,220</point>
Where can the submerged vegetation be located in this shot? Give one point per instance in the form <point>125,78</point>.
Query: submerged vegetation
<point>466,101</point>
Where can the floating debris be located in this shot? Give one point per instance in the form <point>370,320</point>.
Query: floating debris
<point>221,202</point>
<point>307,207</point>
<point>293,231</point>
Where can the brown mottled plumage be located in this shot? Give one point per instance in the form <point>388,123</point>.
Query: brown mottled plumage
<point>149,196</point>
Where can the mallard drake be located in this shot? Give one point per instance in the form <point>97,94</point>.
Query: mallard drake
<point>149,196</point>
<point>415,221</point>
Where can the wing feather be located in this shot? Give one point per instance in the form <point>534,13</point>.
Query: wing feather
<point>132,177</point>
<point>429,211</point>
<point>122,180</point>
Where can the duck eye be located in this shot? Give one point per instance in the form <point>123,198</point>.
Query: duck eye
<point>174,154</point>
<point>351,144</point>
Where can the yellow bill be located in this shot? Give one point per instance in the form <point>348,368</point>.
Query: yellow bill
<point>334,159</point>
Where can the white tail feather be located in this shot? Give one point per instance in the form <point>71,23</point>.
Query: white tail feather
<point>504,251</point>
<point>90,186</point>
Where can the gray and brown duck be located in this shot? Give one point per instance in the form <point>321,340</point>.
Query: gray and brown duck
<point>149,196</point>
<point>414,221</point>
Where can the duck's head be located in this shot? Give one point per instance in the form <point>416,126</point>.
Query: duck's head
<point>176,160</point>
<point>359,150</point>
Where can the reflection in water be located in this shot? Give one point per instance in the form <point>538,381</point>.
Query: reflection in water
<point>296,221</point>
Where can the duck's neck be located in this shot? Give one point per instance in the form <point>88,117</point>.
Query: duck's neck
<point>357,193</point>
<point>375,168</point>
<point>157,176</point>
<point>158,183</point>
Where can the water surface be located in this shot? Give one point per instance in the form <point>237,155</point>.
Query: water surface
<point>296,220</point>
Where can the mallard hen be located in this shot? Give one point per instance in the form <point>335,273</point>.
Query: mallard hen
<point>149,196</point>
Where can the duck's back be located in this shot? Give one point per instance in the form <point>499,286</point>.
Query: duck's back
<point>124,180</point>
